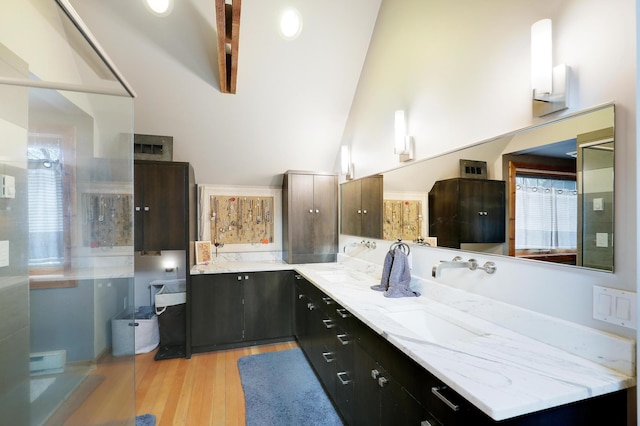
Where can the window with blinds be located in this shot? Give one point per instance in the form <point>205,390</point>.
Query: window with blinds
<point>46,201</point>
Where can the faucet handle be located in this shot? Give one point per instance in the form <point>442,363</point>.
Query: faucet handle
<point>488,267</point>
<point>473,264</point>
<point>456,259</point>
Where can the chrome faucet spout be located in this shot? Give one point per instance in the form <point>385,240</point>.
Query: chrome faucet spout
<point>457,262</point>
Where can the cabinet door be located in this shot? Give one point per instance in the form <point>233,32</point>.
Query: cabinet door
<point>350,211</point>
<point>367,404</point>
<point>301,213</point>
<point>268,305</point>
<point>161,203</point>
<point>482,212</point>
<point>325,220</point>
<point>371,203</point>
<point>216,309</point>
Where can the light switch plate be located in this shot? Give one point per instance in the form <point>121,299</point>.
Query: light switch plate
<point>602,239</point>
<point>598,204</point>
<point>7,186</point>
<point>615,306</point>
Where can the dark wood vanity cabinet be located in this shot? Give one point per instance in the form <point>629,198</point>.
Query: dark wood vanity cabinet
<point>309,217</point>
<point>465,210</point>
<point>361,209</point>
<point>240,309</point>
<point>372,382</point>
<point>161,205</point>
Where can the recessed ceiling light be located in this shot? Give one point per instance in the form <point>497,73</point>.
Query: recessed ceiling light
<point>159,7</point>
<point>290,24</point>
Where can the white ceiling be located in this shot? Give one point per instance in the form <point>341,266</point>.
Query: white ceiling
<point>293,97</point>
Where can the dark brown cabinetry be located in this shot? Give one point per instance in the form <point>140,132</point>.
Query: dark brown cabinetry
<point>309,217</point>
<point>361,207</point>
<point>161,205</point>
<point>372,382</point>
<point>467,211</point>
<point>240,309</point>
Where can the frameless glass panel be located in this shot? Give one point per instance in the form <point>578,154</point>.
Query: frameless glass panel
<point>66,252</point>
<point>55,48</point>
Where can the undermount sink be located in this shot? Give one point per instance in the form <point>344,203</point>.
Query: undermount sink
<point>432,327</point>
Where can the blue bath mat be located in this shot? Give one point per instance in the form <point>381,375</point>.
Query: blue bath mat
<point>280,388</point>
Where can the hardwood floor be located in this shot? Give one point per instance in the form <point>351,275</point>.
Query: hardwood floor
<point>203,390</point>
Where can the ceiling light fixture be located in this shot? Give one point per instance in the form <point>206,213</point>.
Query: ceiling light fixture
<point>290,24</point>
<point>159,7</point>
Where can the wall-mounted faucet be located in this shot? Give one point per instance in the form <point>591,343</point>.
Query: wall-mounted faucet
<point>472,264</point>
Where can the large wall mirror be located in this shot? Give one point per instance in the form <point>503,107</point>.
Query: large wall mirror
<point>558,191</point>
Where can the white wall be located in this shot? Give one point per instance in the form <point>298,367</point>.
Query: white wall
<point>461,71</point>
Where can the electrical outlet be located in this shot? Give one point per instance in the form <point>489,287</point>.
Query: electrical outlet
<point>602,239</point>
<point>615,306</point>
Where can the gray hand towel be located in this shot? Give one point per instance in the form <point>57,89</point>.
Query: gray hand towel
<point>400,277</point>
<point>386,271</point>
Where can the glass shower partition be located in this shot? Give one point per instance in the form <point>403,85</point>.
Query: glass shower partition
<point>66,224</point>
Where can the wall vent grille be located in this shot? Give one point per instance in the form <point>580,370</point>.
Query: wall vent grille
<point>152,147</point>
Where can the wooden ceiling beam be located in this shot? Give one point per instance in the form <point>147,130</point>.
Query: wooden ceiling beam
<point>228,28</point>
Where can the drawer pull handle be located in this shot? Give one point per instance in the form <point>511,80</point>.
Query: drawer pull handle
<point>343,313</point>
<point>343,338</point>
<point>375,374</point>
<point>328,323</point>
<point>328,356</point>
<point>328,300</point>
<point>301,296</point>
<point>436,391</point>
<point>344,381</point>
<point>310,306</point>
<point>382,382</point>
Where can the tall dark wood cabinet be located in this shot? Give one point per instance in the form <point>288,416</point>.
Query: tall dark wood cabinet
<point>309,217</point>
<point>361,209</point>
<point>161,205</point>
<point>165,219</point>
<point>467,211</point>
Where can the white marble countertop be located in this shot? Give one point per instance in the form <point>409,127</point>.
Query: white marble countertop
<point>502,372</point>
<point>505,360</point>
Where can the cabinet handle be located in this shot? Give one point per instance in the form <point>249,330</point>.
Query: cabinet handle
<point>328,300</point>
<point>301,296</point>
<point>426,423</point>
<point>328,356</point>
<point>310,210</point>
<point>343,313</point>
<point>146,208</point>
<point>364,211</point>
<point>382,382</point>
<point>239,277</point>
<point>436,391</point>
<point>246,277</point>
<point>359,211</point>
<point>317,211</point>
<point>483,213</point>
<point>310,306</point>
<point>375,374</point>
<point>137,208</point>
<point>343,339</point>
<point>342,380</point>
<point>298,277</point>
<point>328,323</point>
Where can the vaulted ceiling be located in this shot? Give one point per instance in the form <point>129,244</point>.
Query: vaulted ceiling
<point>292,96</point>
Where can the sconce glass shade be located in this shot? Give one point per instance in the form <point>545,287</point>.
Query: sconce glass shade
<point>345,159</point>
<point>400,132</point>
<point>541,58</point>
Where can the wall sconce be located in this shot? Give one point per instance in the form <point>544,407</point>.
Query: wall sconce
<point>345,162</point>
<point>550,84</point>
<point>403,143</point>
<point>169,266</point>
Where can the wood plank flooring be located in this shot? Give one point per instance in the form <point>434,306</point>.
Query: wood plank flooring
<point>203,390</point>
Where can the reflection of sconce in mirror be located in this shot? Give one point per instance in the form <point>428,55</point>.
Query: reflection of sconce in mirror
<point>345,162</point>
<point>550,84</point>
<point>403,143</point>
